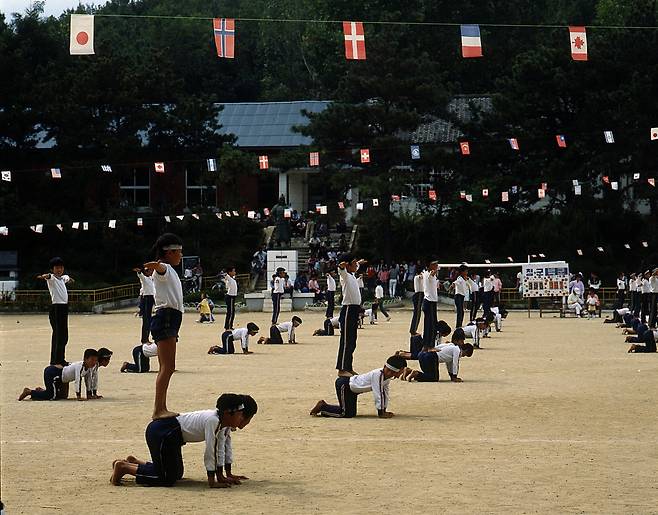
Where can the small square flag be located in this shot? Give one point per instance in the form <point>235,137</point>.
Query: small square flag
<point>251,214</point>
<point>652,181</point>
<point>654,133</point>
<point>228,213</point>
<point>180,217</point>
<point>359,206</point>
<point>6,175</point>
<point>513,143</point>
<point>645,244</point>
<point>4,230</point>
<point>574,182</point>
<point>561,141</point>
<point>112,224</point>
<point>578,38</point>
<point>355,40</point>
<point>314,159</point>
<point>365,155</point>
<point>323,210</point>
<point>600,249</point>
<point>580,252</point>
<point>263,162</point>
<point>341,205</point>
<point>541,193</point>
<point>375,202</point>
<point>577,189</point>
<point>167,218</point>
<point>195,216</point>
<point>485,193</point>
<point>465,148</point>
<point>224,33</point>
<point>510,259</point>
<point>218,215</point>
<point>60,227</point>
<point>627,246</point>
<point>415,152</point>
<point>212,164</point>
<point>106,168</point>
<point>636,176</point>
<point>140,222</point>
<point>504,196</point>
<point>85,226</point>
<point>55,173</point>
<point>469,198</point>
<point>609,137</point>
<point>432,194</point>
<point>75,225</point>
<point>159,168</point>
<point>81,39</point>
<point>471,42</point>
<point>235,213</point>
<point>614,185</point>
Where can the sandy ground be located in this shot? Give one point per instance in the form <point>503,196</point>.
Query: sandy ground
<point>553,416</point>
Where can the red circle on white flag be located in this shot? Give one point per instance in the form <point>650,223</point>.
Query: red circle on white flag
<point>82,38</point>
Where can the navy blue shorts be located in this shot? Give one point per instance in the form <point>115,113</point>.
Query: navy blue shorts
<point>165,324</point>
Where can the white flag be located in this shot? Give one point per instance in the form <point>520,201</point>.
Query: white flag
<point>485,192</point>
<point>85,226</point>
<point>75,225</point>
<point>55,173</point>
<point>574,182</point>
<point>228,213</point>
<point>106,168</point>
<point>212,165</point>
<point>469,198</point>
<point>323,210</point>
<point>195,216</point>
<point>81,40</point>
<point>627,246</point>
<point>38,228</point>
<point>180,217</point>
<point>600,249</point>
<point>112,224</point>
<point>60,227</point>
<point>580,252</point>
<point>235,213</point>
<point>636,176</point>
<point>541,193</point>
<point>4,230</point>
<point>167,218</point>
<point>359,206</point>
<point>504,196</point>
<point>645,244</point>
<point>6,175</point>
<point>218,215</point>
<point>614,185</point>
<point>251,214</point>
<point>140,222</point>
<point>577,190</point>
<point>609,138</point>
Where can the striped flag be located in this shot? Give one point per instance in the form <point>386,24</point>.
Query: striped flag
<point>578,38</point>
<point>471,42</point>
<point>224,32</point>
<point>355,40</point>
<point>212,164</point>
<point>314,159</point>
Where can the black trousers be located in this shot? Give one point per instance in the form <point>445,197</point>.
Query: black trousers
<point>165,441</point>
<point>346,400</point>
<point>487,300</point>
<point>328,327</point>
<point>330,304</point>
<point>275,335</point>
<point>380,305</point>
<point>276,306</point>
<point>52,380</point>
<point>142,363</point>
<point>648,340</point>
<point>230,312</point>
<point>415,345</point>
<point>417,301</point>
<point>621,297</point>
<point>429,323</point>
<point>637,303</point>
<point>476,300</point>
<point>459,304</point>
<point>653,310</point>
<point>645,306</point>
<point>227,344</point>
<point>59,321</point>
<point>147,312</point>
<point>349,322</point>
<point>429,365</point>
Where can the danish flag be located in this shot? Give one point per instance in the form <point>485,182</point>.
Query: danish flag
<point>365,155</point>
<point>263,162</point>
<point>355,40</point>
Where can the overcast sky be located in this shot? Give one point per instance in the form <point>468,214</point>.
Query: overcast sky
<point>54,7</point>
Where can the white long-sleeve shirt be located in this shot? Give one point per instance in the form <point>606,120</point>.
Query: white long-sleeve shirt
<point>646,286</point>
<point>231,285</point>
<point>242,334</point>
<point>621,284</point>
<point>168,289</point>
<point>279,284</point>
<point>471,331</point>
<point>57,288</point>
<point>147,285</point>
<point>287,327</point>
<point>74,373</point>
<point>150,350</point>
<point>430,287</point>
<point>488,284</point>
<point>331,283</point>
<point>449,353</point>
<point>199,426</point>
<point>350,287</point>
<point>379,292</point>
<point>418,284</point>
<point>461,286</point>
<point>372,381</point>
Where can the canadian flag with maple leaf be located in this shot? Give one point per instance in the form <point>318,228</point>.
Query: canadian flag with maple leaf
<point>578,38</point>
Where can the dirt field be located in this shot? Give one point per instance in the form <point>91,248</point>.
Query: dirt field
<point>553,416</point>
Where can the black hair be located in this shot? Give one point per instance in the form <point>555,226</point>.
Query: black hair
<point>443,328</point>
<point>228,402</point>
<point>458,335</point>
<point>56,261</point>
<point>397,362</point>
<point>230,268</point>
<point>297,319</point>
<point>346,258</point>
<point>90,353</point>
<point>468,349</point>
<point>462,268</point>
<point>165,240</point>
<point>251,327</point>
<point>250,406</point>
<point>104,352</point>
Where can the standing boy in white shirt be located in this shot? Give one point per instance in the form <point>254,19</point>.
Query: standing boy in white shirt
<point>349,314</point>
<point>461,292</point>
<point>231,295</point>
<point>331,293</point>
<point>430,300</point>
<point>417,301</point>
<point>278,289</point>
<point>379,303</point>
<point>147,290</point>
<point>59,310</point>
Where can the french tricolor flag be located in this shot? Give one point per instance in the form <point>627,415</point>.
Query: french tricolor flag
<point>471,43</point>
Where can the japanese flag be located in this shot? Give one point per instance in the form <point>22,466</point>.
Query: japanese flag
<point>82,34</point>
<point>485,193</point>
<point>375,202</point>
<point>654,133</point>
<point>159,167</point>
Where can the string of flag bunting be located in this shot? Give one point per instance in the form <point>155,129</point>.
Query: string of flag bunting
<point>224,33</point>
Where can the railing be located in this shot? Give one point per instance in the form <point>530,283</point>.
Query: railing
<point>509,296</point>
<point>85,300</point>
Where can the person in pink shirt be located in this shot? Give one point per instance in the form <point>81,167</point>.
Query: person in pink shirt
<point>383,276</point>
<point>497,288</point>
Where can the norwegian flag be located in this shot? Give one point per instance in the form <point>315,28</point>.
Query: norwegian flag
<point>263,162</point>
<point>355,40</point>
<point>55,173</point>
<point>432,194</point>
<point>513,143</point>
<point>465,148</point>
<point>561,141</point>
<point>314,159</point>
<point>578,38</point>
<point>224,32</point>
<point>159,167</point>
<point>365,155</point>
<point>471,42</point>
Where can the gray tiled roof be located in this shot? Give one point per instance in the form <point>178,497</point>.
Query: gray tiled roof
<point>267,124</point>
<point>462,110</point>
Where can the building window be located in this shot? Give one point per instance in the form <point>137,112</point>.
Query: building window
<point>199,188</point>
<point>135,189</point>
